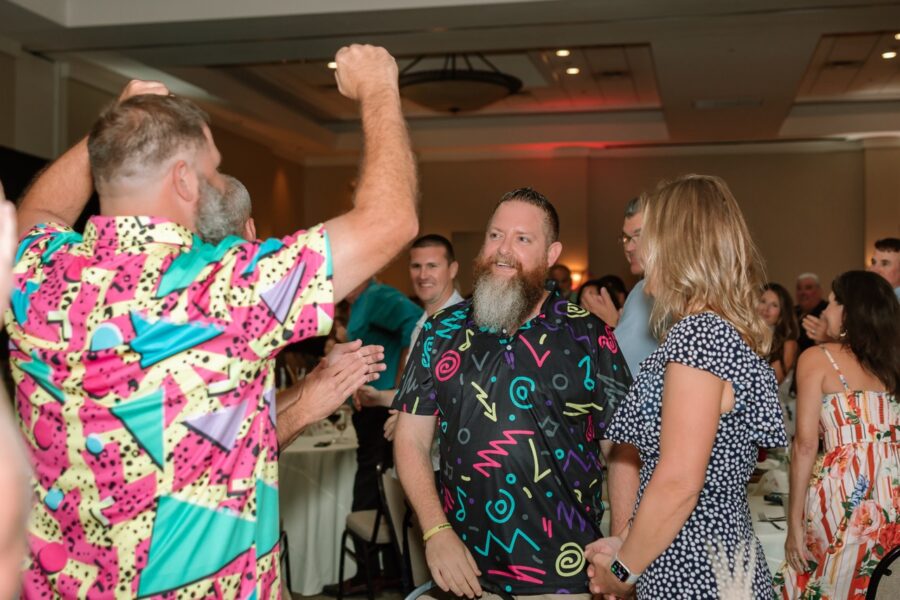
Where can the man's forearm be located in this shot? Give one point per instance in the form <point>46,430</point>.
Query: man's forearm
<point>624,481</point>
<point>60,192</point>
<point>417,477</point>
<point>291,420</point>
<point>385,199</point>
<point>388,174</point>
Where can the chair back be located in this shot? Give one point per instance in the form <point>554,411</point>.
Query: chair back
<point>885,580</point>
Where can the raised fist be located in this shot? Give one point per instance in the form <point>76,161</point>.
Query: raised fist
<point>363,70</point>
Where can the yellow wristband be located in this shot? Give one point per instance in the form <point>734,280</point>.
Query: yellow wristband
<point>430,533</point>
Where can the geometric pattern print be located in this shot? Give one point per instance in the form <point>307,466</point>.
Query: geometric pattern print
<point>852,513</point>
<point>143,364</point>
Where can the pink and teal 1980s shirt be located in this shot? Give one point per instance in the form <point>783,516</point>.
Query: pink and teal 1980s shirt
<point>145,393</point>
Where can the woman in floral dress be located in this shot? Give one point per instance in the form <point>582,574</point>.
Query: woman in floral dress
<point>842,523</point>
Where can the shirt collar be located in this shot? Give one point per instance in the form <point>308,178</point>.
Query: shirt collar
<point>122,233</point>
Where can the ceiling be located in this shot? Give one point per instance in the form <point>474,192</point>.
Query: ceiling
<point>651,72</point>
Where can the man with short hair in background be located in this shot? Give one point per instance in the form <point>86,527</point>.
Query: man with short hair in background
<point>633,325</point>
<point>432,271</point>
<point>142,355</point>
<point>521,385</point>
<point>886,261</point>
<point>810,304</point>
<point>562,275</point>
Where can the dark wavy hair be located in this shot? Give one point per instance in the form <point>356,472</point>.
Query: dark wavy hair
<point>871,327</point>
<point>786,327</point>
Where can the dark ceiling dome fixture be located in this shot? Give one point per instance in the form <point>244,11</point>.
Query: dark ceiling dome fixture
<point>456,87</point>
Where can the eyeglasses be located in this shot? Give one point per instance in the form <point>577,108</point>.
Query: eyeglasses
<point>626,239</point>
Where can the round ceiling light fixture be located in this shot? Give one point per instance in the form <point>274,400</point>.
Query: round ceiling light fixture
<point>458,85</point>
<point>889,55</point>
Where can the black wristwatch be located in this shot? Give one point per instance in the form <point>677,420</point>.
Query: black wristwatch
<point>623,573</point>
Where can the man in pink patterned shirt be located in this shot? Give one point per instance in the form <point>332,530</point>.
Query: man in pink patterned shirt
<point>142,355</point>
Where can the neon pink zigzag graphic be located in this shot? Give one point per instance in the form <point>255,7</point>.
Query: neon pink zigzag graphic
<point>518,572</point>
<point>498,450</point>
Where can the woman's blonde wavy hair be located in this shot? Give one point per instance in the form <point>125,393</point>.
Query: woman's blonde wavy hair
<point>699,256</point>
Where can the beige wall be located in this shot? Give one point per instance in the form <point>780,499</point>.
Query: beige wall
<point>83,104</point>
<point>458,197</point>
<point>882,194</point>
<point>275,184</point>
<point>7,100</point>
<point>817,211</point>
<point>805,210</point>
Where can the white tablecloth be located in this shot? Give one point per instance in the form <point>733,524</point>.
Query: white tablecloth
<point>316,492</point>
<point>771,537</point>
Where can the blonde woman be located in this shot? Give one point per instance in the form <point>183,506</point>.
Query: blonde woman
<point>703,404</point>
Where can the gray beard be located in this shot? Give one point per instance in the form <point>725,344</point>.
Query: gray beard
<point>221,215</point>
<point>500,303</point>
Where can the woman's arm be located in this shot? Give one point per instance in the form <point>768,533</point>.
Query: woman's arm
<point>810,374</point>
<point>691,406</point>
<point>780,372</point>
<point>790,356</point>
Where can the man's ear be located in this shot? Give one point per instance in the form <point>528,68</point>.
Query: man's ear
<point>184,181</point>
<point>454,269</point>
<point>250,230</point>
<point>553,253</point>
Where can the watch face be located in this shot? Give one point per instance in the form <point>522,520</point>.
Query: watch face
<point>619,570</point>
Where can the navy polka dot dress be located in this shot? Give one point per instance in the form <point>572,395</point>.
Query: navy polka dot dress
<point>722,516</point>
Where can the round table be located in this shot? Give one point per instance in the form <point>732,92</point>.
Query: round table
<point>315,476</point>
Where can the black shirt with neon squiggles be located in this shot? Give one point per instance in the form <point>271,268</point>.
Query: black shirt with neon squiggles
<point>520,417</point>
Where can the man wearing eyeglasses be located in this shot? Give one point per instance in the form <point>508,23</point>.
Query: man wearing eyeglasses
<point>632,326</point>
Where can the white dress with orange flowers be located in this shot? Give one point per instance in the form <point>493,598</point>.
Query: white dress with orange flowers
<point>853,505</point>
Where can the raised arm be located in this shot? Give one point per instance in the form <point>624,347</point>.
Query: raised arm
<point>383,219</point>
<point>60,192</point>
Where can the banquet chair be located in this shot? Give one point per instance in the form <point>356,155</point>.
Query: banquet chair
<point>371,533</point>
<point>285,556</point>
<point>885,580</point>
<point>396,515</point>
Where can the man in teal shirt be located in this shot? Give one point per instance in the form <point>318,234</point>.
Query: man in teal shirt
<point>379,314</point>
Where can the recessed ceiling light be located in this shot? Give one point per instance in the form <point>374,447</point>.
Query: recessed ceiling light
<point>562,53</point>
<point>332,65</point>
<point>889,54</point>
<point>897,36</point>
<point>573,71</point>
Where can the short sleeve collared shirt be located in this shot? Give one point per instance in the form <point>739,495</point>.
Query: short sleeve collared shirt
<point>520,417</point>
<point>383,315</point>
<point>145,392</point>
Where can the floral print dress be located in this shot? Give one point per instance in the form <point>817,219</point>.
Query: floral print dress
<point>853,504</point>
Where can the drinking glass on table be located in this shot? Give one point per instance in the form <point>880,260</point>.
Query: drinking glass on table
<point>340,419</point>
